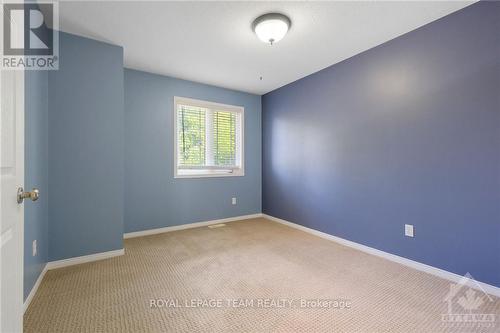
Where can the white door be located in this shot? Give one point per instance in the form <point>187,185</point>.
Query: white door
<point>11,212</point>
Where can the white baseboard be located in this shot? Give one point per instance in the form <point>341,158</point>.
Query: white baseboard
<point>492,290</point>
<point>84,259</point>
<point>401,260</point>
<point>188,226</point>
<point>110,254</point>
<point>34,289</point>
<point>68,262</point>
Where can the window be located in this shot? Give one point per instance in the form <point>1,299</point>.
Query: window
<point>208,139</point>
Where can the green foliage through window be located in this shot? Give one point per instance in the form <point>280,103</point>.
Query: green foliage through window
<point>224,145</point>
<point>191,135</point>
<point>206,138</point>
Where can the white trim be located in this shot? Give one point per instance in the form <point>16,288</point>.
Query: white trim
<point>68,262</point>
<point>208,173</point>
<point>33,291</point>
<point>188,226</point>
<point>492,290</point>
<point>84,259</point>
<point>208,105</point>
<point>240,140</point>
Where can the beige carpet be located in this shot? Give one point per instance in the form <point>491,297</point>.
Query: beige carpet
<point>269,270</point>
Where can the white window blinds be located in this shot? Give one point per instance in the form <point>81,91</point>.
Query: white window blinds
<point>192,135</point>
<point>224,134</point>
<point>209,138</point>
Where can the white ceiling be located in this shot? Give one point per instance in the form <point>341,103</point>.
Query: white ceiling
<point>212,42</point>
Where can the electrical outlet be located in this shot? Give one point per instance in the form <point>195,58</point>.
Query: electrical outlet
<point>34,248</point>
<point>409,230</point>
<point>233,201</point>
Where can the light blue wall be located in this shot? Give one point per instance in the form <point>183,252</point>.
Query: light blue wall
<point>86,149</point>
<point>153,198</point>
<point>36,175</point>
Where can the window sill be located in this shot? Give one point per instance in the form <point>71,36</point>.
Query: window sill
<point>207,173</point>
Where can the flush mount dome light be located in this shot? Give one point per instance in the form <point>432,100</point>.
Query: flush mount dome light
<point>272,27</point>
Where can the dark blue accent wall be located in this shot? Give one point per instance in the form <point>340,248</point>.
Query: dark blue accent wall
<point>153,198</point>
<point>36,174</point>
<point>86,155</point>
<point>406,132</point>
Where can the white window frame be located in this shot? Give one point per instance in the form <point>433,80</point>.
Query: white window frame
<point>240,141</point>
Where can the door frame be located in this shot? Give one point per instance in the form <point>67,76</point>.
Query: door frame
<point>19,112</point>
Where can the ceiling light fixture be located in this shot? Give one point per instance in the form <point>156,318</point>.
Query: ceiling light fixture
<point>272,27</point>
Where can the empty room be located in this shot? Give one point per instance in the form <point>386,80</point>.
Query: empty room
<point>250,166</point>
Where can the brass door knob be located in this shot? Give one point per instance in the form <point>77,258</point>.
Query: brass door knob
<point>33,195</point>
